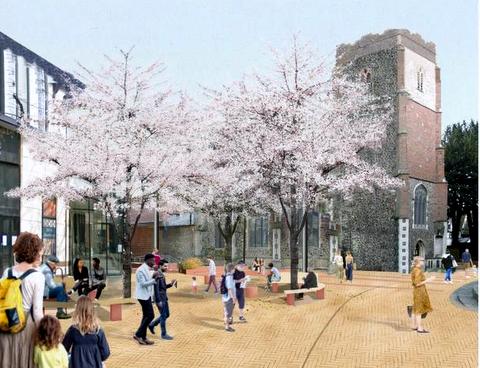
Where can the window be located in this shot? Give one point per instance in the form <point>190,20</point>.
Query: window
<point>420,206</point>
<point>258,232</point>
<point>420,80</point>
<point>219,240</point>
<point>2,84</point>
<point>27,72</point>
<point>312,229</point>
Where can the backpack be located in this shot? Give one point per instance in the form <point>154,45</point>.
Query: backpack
<point>12,315</point>
<point>223,285</point>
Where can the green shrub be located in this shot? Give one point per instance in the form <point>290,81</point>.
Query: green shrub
<point>190,263</point>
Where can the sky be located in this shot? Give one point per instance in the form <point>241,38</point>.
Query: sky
<point>214,42</point>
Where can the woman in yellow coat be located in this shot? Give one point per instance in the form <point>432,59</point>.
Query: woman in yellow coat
<point>421,300</point>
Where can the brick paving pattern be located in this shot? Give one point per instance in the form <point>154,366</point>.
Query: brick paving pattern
<point>360,325</point>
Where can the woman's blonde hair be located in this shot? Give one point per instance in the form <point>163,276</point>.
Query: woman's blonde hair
<point>84,317</point>
<point>417,260</point>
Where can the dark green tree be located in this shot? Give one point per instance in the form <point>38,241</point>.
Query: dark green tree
<point>461,171</point>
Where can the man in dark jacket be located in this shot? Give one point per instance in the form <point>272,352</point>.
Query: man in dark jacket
<point>447,262</point>
<point>161,300</point>
<point>310,281</point>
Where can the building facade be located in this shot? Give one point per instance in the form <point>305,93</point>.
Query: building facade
<point>28,84</point>
<point>386,230</point>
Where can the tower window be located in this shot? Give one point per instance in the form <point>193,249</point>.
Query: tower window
<point>420,79</point>
<point>420,207</point>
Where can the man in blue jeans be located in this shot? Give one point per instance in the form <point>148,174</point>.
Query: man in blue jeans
<point>52,289</point>
<point>447,262</point>
<point>161,300</point>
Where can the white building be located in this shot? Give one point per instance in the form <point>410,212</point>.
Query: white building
<point>27,84</point>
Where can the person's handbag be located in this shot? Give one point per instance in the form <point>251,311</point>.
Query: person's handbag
<point>454,264</point>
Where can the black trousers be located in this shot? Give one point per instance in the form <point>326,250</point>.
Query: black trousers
<point>147,317</point>
<point>99,288</point>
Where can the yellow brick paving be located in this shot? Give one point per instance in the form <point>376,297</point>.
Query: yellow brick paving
<point>359,325</point>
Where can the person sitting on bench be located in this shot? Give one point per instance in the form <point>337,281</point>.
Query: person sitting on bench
<point>273,275</point>
<point>98,277</point>
<point>310,281</point>
<point>80,275</point>
<point>53,290</point>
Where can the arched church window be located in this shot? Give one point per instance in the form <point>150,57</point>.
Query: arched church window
<point>420,206</point>
<point>420,79</point>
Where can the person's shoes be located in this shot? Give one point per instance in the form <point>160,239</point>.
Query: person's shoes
<point>445,281</point>
<point>450,282</point>
<point>216,292</point>
<point>148,342</point>
<point>206,291</point>
<point>423,331</point>
<point>63,315</point>
<point>139,340</point>
<point>242,319</point>
<point>152,329</point>
<point>229,329</point>
<point>167,337</point>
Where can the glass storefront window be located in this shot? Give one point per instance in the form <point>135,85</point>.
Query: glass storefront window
<point>92,234</point>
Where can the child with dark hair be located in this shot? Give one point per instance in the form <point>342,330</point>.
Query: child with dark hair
<point>49,352</point>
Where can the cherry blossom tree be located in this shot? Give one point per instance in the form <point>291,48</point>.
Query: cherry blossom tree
<point>302,134</point>
<point>122,142</point>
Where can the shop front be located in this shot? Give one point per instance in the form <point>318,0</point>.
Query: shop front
<point>92,234</point>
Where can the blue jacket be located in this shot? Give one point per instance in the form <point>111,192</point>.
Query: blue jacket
<point>49,283</point>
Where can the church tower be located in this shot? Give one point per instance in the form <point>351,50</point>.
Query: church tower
<point>387,230</point>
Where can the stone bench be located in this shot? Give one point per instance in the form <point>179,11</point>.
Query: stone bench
<point>114,307</point>
<point>319,293</point>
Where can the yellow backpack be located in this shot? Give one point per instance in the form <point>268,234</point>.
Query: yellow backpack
<point>12,315</point>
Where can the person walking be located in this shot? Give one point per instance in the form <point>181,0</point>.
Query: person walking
<point>143,293</point>
<point>17,350</point>
<point>52,289</point>
<point>227,288</point>
<point>349,266</point>
<point>161,300</point>
<point>447,262</point>
<point>421,300</point>
<point>49,351</point>
<point>98,277</point>
<point>85,339</point>
<point>240,279</point>
<point>212,272</point>
<point>338,262</point>
<point>467,261</point>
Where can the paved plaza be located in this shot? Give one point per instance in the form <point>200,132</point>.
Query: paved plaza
<point>360,325</point>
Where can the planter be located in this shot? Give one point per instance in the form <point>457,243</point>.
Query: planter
<point>251,291</point>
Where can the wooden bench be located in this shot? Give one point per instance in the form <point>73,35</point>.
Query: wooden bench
<point>319,293</point>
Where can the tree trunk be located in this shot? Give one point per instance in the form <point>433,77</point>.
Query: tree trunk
<point>228,249</point>
<point>127,269</point>
<point>472,228</point>
<point>244,238</point>
<point>456,218</point>
<point>293,240</point>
